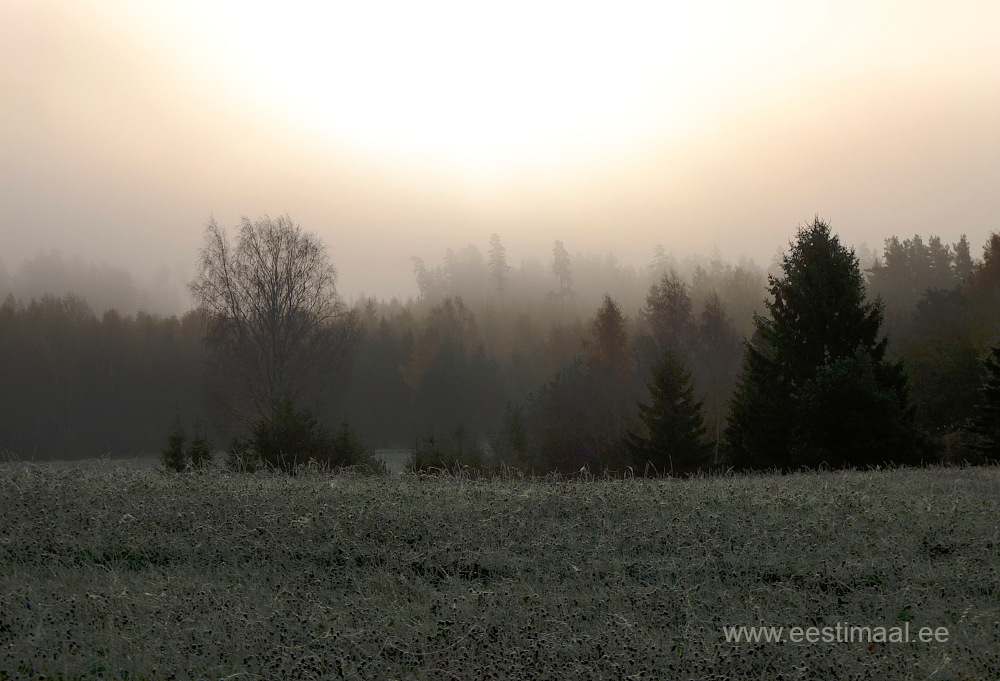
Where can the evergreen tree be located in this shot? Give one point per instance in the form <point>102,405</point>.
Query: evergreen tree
<point>909,267</point>
<point>172,455</point>
<point>816,387</point>
<point>561,422</point>
<point>662,262</point>
<point>610,372</point>
<point>498,264</point>
<point>963,259</point>
<point>717,354</point>
<point>668,311</point>
<point>988,419</point>
<point>982,289</point>
<point>430,282</point>
<point>941,360</point>
<point>5,287</point>
<point>199,452</point>
<point>673,422</point>
<point>512,442</point>
<point>609,357</point>
<point>562,268</point>
<point>942,265</point>
<point>294,437</point>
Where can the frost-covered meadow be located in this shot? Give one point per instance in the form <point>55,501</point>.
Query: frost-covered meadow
<point>129,573</point>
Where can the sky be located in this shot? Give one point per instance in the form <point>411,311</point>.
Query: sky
<point>400,129</point>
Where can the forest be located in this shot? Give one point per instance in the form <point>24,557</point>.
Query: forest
<point>824,359</point>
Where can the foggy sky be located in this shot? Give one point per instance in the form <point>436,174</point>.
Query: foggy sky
<point>124,126</point>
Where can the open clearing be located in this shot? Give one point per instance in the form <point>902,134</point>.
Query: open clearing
<point>127,573</point>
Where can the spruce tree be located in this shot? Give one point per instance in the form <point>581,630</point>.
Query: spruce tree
<point>716,362</point>
<point>816,387</point>
<point>562,268</point>
<point>673,421</point>
<point>498,267</point>
<point>172,454</point>
<point>987,423</point>
<point>669,313</point>
<point>610,372</point>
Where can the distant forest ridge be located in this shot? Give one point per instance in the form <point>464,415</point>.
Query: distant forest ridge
<point>102,286</point>
<point>163,291</point>
<point>475,353</point>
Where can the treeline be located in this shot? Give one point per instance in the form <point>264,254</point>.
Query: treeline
<point>578,361</point>
<point>484,344</point>
<point>76,385</point>
<point>103,287</point>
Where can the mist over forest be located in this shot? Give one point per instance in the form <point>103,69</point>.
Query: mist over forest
<point>103,286</point>
<point>543,365</point>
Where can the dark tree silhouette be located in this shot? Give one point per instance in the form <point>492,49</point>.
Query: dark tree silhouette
<point>668,311</point>
<point>562,268</point>
<point>4,281</point>
<point>378,401</point>
<point>430,281</point>
<point>609,353</point>
<point>611,368</point>
<point>673,442</point>
<point>740,288</point>
<point>497,264</point>
<point>454,383</point>
<point>816,387</point>
<point>562,421</point>
<point>466,273</point>
<point>717,354</point>
<point>908,269</point>
<point>292,437</point>
<point>941,361</point>
<point>74,385</point>
<point>275,320</point>
<point>987,423</point>
<point>982,289</point>
<point>963,259</point>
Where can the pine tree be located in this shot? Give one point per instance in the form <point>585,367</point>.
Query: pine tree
<point>673,422</point>
<point>816,387</point>
<point>562,268</point>
<point>498,264</point>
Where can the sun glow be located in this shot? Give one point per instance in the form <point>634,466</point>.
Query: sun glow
<point>472,85</point>
<point>522,88</point>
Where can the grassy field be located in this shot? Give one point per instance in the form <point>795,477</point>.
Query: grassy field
<point>126,573</point>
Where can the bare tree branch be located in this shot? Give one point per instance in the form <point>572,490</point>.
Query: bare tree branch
<point>276,322</point>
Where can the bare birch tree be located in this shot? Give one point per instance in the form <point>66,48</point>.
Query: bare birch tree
<point>277,326</point>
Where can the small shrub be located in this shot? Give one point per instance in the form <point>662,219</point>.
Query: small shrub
<point>173,453</point>
<point>289,437</point>
<point>196,455</point>
<point>349,447</point>
<point>239,456</point>
<point>513,443</point>
<point>450,453</point>
<point>199,452</point>
<point>292,438</point>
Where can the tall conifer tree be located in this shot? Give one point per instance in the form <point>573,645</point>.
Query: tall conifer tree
<point>816,387</point>
<point>673,422</point>
<point>988,419</point>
